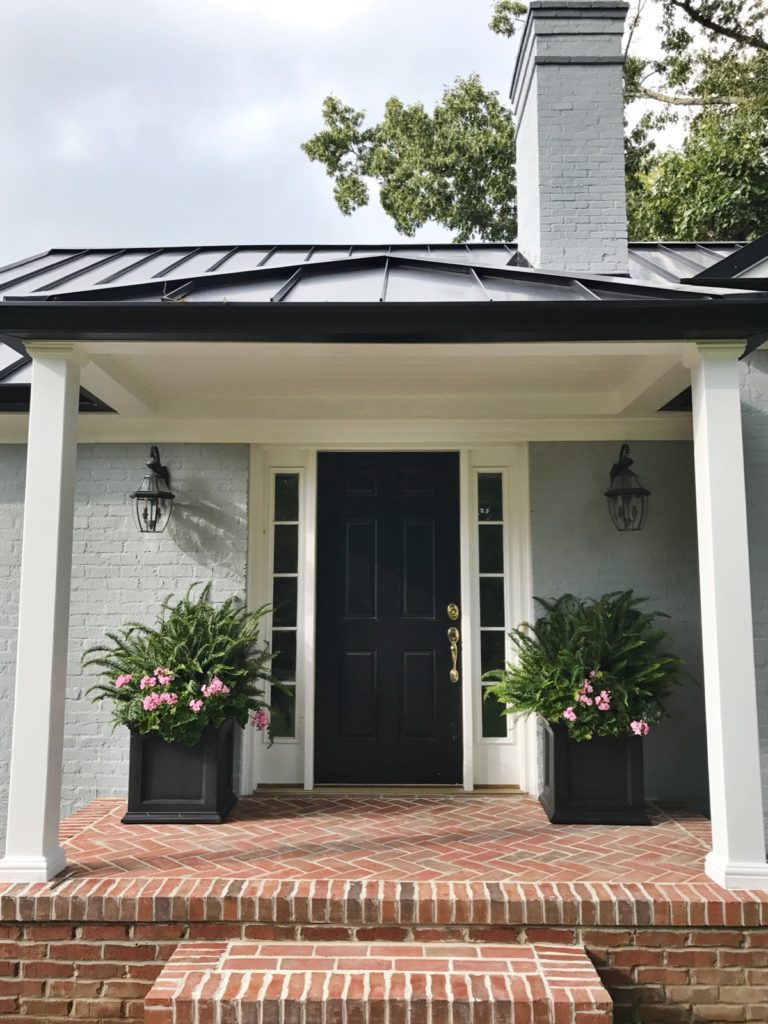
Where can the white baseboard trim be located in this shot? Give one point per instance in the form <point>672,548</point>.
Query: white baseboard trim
<point>735,875</point>
<point>39,868</point>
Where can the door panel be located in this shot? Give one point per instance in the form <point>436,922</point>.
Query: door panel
<point>387,567</point>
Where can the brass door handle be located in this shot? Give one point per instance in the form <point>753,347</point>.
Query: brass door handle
<point>453,639</point>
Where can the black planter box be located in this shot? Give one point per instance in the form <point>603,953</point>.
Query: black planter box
<point>595,782</point>
<point>173,783</point>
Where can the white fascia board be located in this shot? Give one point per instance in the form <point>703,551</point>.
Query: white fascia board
<point>105,428</point>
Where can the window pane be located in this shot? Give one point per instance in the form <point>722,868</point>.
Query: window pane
<point>489,504</point>
<point>492,602</point>
<point>494,719</point>
<point>287,497</point>
<point>492,650</point>
<point>283,714</point>
<point>284,648</point>
<point>284,601</point>
<point>491,548</point>
<point>286,549</point>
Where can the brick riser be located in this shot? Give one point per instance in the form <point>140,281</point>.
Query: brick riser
<point>374,983</point>
<point>71,969</point>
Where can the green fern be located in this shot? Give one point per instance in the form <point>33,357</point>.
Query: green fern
<point>580,648</point>
<point>195,642</point>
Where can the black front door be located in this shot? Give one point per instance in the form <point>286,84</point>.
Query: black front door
<point>386,710</point>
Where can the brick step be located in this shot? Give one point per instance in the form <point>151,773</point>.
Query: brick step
<point>240,982</point>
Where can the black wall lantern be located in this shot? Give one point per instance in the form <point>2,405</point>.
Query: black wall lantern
<point>627,498</point>
<point>153,499</point>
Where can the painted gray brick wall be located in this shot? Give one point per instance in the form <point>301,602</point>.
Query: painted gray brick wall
<point>120,574</point>
<point>754,404</point>
<point>577,550</point>
<point>12,474</point>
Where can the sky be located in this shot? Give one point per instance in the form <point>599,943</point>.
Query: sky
<point>178,122</point>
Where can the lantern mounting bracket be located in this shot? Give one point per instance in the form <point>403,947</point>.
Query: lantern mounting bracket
<point>155,466</point>
<point>617,468</point>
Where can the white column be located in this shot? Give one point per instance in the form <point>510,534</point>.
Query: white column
<point>32,849</point>
<point>737,859</point>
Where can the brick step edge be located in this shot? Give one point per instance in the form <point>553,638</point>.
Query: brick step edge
<point>243,982</point>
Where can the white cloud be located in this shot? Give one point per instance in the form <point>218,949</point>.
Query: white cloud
<point>71,140</point>
<point>300,15</point>
<point>238,134</point>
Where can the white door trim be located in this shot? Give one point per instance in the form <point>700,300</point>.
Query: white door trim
<point>468,619</point>
<point>264,463</point>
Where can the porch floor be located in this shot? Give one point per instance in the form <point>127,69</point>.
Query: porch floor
<point>423,838</point>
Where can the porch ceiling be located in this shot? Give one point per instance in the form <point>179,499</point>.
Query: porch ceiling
<point>372,392</point>
<point>306,381</point>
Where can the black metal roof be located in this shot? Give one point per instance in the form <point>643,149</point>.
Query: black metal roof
<point>332,293</point>
<point>294,272</point>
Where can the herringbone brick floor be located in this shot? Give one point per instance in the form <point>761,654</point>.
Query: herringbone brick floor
<point>413,838</point>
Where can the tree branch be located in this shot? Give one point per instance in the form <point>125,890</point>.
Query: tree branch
<point>684,101</point>
<point>745,38</point>
<point>633,25</point>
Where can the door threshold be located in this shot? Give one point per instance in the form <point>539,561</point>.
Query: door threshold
<point>327,789</point>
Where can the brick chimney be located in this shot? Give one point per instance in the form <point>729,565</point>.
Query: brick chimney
<point>567,97</point>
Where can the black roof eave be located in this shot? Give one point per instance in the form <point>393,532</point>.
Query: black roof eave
<point>740,316</point>
<point>16,398</point>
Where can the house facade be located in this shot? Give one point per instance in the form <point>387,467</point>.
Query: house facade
<point>368,438</point>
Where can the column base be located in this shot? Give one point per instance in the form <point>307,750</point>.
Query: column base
<point>735,874</point>
<point>41,868</point>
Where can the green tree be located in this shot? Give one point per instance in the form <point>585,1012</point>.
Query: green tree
<point>455,165</point>
<point>712,77</point>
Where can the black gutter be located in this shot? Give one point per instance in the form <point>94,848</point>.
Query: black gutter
<point>737,317</point>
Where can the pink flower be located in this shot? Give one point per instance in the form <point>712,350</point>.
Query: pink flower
<point>603,700</point>
<point>215,686</point>
<point>147,681</point>
<point>569,714</point>
<point>587,687</point>
<point>592,674</point>
<point>584,699</point>
<point>640,728</point>
<point>196,705</point>
<point>153,700</point>
<point>123,680</point>
<point>260,720</point>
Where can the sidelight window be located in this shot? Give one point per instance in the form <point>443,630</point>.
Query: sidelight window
<point>285,583</point>
<point>492,585</point>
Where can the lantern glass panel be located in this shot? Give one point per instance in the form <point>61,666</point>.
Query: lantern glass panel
<point>628,511</point>
<point>151,506</point>
<point>628,503</point>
